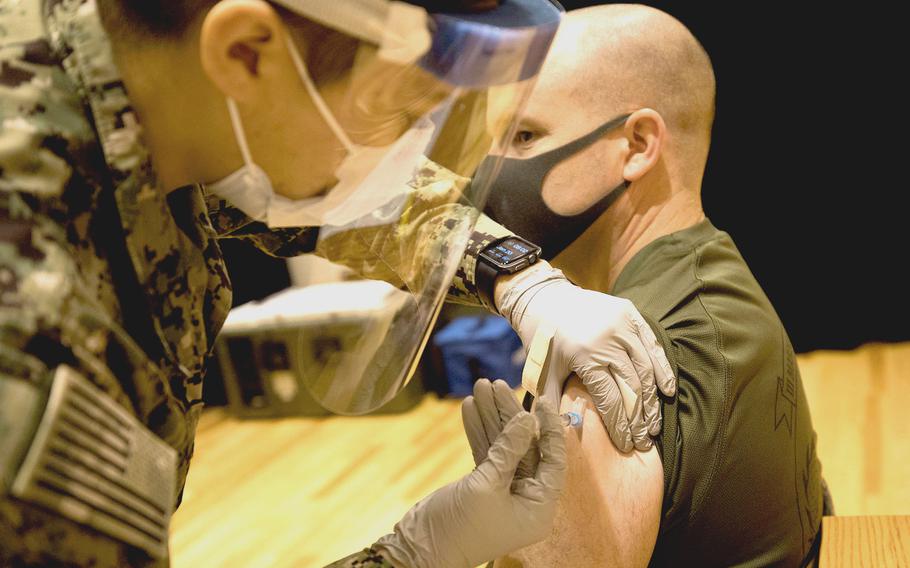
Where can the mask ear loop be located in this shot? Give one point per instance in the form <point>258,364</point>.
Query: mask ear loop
<point>239,133</point>
<point>317,98</point>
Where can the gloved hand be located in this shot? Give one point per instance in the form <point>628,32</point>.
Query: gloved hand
<point>485,515</point>
<point>486,414</point>
<point>601,338</point>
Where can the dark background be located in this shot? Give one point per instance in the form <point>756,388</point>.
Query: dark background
<point>802,171</point>
<point>806,171</point>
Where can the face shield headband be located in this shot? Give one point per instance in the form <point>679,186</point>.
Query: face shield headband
<point>406,34</point>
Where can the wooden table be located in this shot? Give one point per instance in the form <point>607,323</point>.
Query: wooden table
<point>859,542</point>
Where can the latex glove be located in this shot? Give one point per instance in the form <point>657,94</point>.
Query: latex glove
<point>601,338</point>
<point>484,515</point>
<point>486,414</point>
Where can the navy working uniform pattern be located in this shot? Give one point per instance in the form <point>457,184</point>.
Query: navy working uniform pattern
<point>99,269</point>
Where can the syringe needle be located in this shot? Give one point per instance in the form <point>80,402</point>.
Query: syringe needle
<point>574,417</point>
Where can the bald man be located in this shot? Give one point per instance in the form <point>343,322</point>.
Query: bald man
<point>605,174</point>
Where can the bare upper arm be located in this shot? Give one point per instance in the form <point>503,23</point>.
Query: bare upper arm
<point>610,512</point>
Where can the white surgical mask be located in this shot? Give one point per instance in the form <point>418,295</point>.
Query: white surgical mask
<point>368,177</point>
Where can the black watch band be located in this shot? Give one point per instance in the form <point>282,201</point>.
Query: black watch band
<point>507,255</point>
<point>485,279</point>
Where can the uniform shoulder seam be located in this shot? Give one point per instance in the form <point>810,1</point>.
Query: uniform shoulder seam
<point>722,428</point>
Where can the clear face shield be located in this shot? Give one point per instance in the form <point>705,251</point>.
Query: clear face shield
<point>427,98</point>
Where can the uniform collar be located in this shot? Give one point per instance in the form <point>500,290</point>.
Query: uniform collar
<point>89,62</point>
<point>167,259</point>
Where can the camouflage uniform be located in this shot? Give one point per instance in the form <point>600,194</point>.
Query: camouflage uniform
<point>100,270</point>
<point>367,558</point>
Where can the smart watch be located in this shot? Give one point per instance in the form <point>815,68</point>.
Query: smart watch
<point>507,255</point>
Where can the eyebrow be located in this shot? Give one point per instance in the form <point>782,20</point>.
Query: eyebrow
<point>532,124</point>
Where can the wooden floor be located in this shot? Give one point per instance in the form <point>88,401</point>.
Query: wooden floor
<point>860,403</point>
<point>865,542</point>
<point>304,492</point>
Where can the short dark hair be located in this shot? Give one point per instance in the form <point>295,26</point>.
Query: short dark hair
<point>159,19</point>
<point>139,21</point>
<point>163,19</point>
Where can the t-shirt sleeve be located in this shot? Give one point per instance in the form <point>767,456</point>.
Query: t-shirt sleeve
<point>668,441</point>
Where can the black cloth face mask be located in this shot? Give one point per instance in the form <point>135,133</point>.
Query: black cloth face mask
<point>516,196</point>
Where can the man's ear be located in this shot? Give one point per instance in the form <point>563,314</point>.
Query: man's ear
<point>242,46</point>
<point>646,132</point>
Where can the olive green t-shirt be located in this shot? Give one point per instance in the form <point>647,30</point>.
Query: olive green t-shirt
<point>742,483</point>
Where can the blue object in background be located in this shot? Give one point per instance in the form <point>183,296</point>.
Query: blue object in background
<point>479,347</point>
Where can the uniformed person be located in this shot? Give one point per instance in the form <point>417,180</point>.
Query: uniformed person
<point>367,118</point>
<point>742,482</point>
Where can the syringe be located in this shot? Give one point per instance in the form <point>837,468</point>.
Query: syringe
<point>574,417</point>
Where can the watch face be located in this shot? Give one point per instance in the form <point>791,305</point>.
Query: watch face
<point>509,251</point>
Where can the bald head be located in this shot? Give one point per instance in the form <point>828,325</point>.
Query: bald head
<point>617,58</point>
<point>640,176</point>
